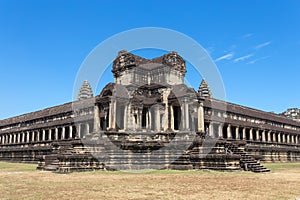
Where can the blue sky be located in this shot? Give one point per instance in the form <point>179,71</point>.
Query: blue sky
<point>255,44</point>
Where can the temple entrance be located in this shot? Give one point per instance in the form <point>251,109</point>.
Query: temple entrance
<point>144,117</point>
<point>177,117</point>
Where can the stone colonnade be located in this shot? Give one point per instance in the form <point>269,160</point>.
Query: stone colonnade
<point>156,118</point>
<point>228,131</point>
<point>45,135</point>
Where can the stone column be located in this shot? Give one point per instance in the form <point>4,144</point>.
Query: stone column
<point>113,125</point>
<point>257,135</point>
<point>292,139</point>
<point>279,138</point>
<point>33,136</point>
<point>9,139</point>
<point>27,139</point>
<point>263,135</point>
<point>43,135</point>
<point>78,128</point>
<point>149,120</point>
<point>166,115</point>
<point>220,130</point>
<point>19,138</point>
<point>23,137</point>
<point>288,139</point>
<point>172,117</point>
<point>96,118</point>
<point>38,135</point>
<point>251,134</point>
<point>269,136</point>
<point>139,117</point>
<point>50,134</point>
<point>244,133</point>
<point>63,133</point>
<point>56,133</point>
<point>200,118</point>
<point>187,119</point>
<point>211,129</point>
<point>71,131</point>
<point>125,117</point>
<point>87,128</point>
<point>110,120</point>
<point>157,118</point>
<point>237,135</point>
<point>283,137</point>
<point>297,139</point>
<point>229,134</point>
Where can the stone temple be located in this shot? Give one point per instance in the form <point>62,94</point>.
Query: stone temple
<point>149,119</point>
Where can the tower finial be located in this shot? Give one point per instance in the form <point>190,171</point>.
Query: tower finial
<point>204,89</point>
<point>85,91</point>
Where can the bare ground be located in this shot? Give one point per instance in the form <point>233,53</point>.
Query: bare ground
<point>21,181</point>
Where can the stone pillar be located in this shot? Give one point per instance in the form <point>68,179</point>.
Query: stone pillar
<point>279,137</point>
<point>50,134</point>
<point>78,128</point>
<point>10,139</point>
<point>201,118</point>
<point>125,120</point>
<point>283,137</point>
<point>166,115</point>
<point>211,129</point>
<point>237,135</point>
<point>157,118</point>
<point>87,128</point>
<point>27,139</point>
<point>19,138</point>
<point>244,133</point>
<point>257,135</point>
<point>38,135</point>
<point>297,139</point>
<point>96,118</point>
<point>71,131</point>
<point>187,118</point>
<point>56,133</point>
<point>263,135</point>
<point>172,117</point>
<point>251,134</point>
<point>220,130</point>
<point>111,114</point>
<point>23,137</point>
<point>114,109</point>
<point>229,134</point>
<point>43,135</point>
<point>288,139</point>
<point>63,133</point>
<point>269,136</point>
<point>140,119</point>
<point>149,120</point>
<point>292,139</point>
<point>33,136</point>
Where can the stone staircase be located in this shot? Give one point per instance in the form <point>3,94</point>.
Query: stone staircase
<point>247,162</point>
